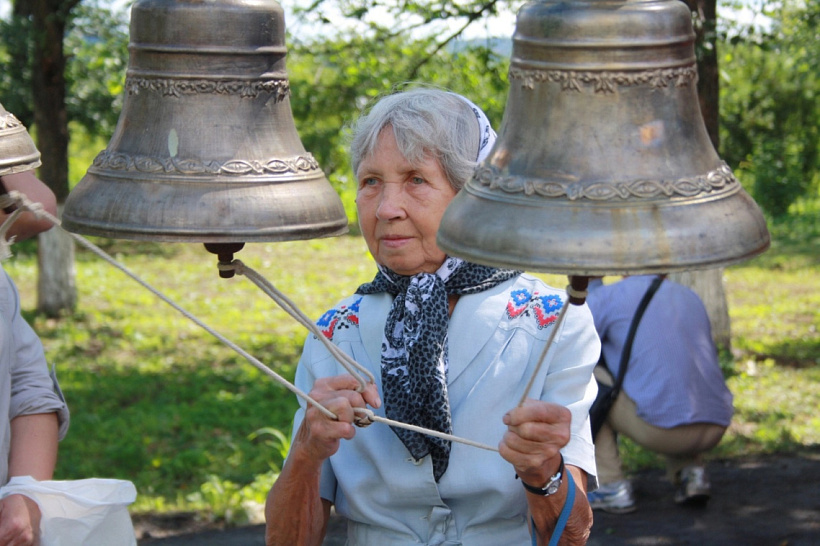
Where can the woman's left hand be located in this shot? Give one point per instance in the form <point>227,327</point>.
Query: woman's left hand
<point>536,431</point>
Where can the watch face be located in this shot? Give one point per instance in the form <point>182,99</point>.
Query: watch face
<point>552,487</point>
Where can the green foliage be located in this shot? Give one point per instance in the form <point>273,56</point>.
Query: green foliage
<point>15,46</point>
<point>779,320</point>
<point>82,149</point>
<point>774,414</point>
<point>375,21</point>
<point>770,107</point>
<point>224,500</point>
<point>98,42</point>
<point>96,45</point>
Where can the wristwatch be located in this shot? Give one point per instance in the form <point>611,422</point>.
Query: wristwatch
<point>552,484</point>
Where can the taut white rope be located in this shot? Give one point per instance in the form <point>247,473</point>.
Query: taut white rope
<point>367,415</point>
<point>23,201</point>
<point>285,303</point>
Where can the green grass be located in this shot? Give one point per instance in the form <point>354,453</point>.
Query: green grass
<point>158,401</point>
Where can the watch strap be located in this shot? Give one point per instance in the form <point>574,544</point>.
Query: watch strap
<point>545,491</point>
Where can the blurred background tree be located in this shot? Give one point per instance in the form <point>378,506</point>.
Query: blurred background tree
<point>770,118</point>
<point>61,57</point>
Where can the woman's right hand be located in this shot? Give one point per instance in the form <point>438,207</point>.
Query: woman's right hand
<point>319,434</point>
<point>19,521</point>
<point>295,511</point>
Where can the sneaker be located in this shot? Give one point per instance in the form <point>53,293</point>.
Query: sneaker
<point>693,487</point>
<point>615,498</point>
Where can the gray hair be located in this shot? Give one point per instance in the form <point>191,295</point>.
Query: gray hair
<point>424,121</point>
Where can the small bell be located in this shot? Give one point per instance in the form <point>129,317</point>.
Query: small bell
<point>17,151</point>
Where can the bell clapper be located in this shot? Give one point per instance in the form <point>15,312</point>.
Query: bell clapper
<point>224,252</point>
<point>577,289</point>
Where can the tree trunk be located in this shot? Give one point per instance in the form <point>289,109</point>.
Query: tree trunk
<point>708,284</point>
<point>56,289</point>
<point>705,21</point>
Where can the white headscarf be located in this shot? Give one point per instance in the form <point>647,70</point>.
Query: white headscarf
<point>486,133</point>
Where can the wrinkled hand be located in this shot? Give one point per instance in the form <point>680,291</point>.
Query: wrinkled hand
<point>19,521</point>
<point>536,432</point>
<point>320,435</point>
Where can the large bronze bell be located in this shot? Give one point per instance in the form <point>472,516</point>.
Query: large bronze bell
<point>603,164</point>
<point>206,149</point>
<point>17,151</point>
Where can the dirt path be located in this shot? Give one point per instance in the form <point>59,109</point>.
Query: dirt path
<point>771,501</point>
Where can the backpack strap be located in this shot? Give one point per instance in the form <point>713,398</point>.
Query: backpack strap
<point>633,328</point>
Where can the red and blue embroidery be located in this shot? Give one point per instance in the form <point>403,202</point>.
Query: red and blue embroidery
<point>544,309</point>
<point>337,319</point>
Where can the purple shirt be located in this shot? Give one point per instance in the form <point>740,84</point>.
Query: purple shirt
<point>673,374</point>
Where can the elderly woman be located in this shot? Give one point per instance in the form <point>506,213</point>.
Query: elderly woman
<point>453,346</point>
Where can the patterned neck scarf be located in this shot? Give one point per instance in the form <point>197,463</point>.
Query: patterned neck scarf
<point>414,349</point>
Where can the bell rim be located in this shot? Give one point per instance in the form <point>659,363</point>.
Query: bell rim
<point>199,235</point>
<point>586,240</point>
<point>466,253</point>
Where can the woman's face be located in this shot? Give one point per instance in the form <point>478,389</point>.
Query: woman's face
<point>400,207</point>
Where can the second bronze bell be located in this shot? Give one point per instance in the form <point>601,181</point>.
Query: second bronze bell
<point>206,149</point>
<point>603,165</point>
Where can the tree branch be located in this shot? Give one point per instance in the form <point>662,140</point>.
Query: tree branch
<point>471,18</point>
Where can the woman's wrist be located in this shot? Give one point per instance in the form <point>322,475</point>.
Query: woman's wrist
<point>551,485</point>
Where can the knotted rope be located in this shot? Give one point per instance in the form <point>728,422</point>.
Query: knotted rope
<point>365,416</point>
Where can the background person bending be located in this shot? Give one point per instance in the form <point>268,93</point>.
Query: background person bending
<point>452,345</point>
<point>674,400</point>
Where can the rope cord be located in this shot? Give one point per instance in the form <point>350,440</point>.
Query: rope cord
<point>367,416</point>
<point>7,201</point>
<point>24,203</point>
<point>543,356</point>
<point>291,308</point>
<point>573,293</point>
<point>5,245</point>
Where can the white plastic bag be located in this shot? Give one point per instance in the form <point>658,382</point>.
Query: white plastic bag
<point>86,512</point>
